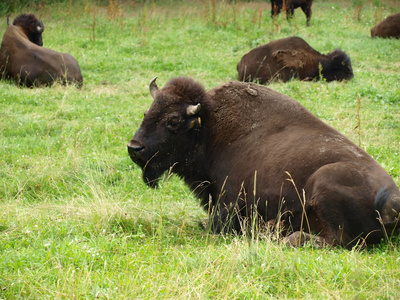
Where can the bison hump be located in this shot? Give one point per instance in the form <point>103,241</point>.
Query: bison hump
<point>294,59</point>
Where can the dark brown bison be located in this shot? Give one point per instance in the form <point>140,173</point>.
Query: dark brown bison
<point>289,6</point>
<point>390,27</point>
<point>254,155</point>
<point>292,57</point>
<point>23,58</point>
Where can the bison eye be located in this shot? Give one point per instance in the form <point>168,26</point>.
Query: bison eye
<point>173,124</point>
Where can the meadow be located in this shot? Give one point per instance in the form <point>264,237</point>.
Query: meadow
<point>76,219</point>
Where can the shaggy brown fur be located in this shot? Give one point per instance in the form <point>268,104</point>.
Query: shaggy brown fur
<point>24,60</point>
<point>250,152</point>
<point>388,28</point>
<point>292,57</point>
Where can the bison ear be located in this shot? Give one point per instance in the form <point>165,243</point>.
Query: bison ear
<point>193,109</point>
<point>153,87</point>
<point>195,122</point>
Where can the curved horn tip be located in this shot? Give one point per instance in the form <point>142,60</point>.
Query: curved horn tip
<point>153,86</point>
<point>8,19</point>
<point>193,109</point>
<point>153,80</point>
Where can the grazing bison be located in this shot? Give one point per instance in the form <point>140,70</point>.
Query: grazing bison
<point>390,27</point>
<point>23,58</point>
<point>292,57</point>
<point>290,5</point>
<point>249,152</point>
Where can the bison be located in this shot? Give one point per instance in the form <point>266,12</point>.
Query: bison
<point>390,27</point>
<point>255,156</point>
<point>290,5</point>
<point>23,59</point>
<point>291,57</point>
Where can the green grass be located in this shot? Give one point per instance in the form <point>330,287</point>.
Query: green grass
<point>76,220</point>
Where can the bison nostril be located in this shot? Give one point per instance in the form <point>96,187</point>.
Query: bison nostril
<point>135,146</point>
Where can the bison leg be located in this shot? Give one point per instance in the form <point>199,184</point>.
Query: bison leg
<point>341,201</point>
<point>289,10</point>
<point>299,238</point>
<point>306,8</point>
<point>276,7</point>
<point>225,220</point>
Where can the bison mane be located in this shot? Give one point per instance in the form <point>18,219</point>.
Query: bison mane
<point>188,91</point>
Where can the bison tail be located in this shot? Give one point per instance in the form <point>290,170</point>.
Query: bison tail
<point>381,198</point>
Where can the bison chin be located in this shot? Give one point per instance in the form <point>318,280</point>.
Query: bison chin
<point>152,176</point>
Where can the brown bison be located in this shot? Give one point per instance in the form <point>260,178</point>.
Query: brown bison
<point>290,5</point>
<point>390,27</point>
<point>254,155</point>
<point>292,57</point>
<point>22,57</point>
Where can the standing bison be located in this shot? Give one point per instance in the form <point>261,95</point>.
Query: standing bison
<point>23,58</point>
<point>289,6</point>
<point>292,57</point>
<point>388,28</point>
<point>248,152</point>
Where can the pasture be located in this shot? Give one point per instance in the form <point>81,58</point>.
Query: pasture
<point>76,219</point>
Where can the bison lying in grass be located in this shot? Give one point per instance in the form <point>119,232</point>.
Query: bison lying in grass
<point>388,28</point>
<point>292,57</point>
<point>254,155</point>
<point>23,59</point>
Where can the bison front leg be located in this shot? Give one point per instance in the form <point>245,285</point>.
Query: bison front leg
<point>289,10</point>
<point>225,220</point>
<point>276,7</point>
<point>228,216</point>
<point>299,238</point>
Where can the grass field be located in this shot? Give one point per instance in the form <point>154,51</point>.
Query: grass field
<point>76,219</point>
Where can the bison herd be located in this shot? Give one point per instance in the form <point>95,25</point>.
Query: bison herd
<point>250,154</point>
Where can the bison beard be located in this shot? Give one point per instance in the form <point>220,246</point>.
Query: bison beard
<point>254,155</point>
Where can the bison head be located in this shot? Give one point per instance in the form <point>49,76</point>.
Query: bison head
<point>32,27</point>
<point>339,67</point>
<point>171,130</point>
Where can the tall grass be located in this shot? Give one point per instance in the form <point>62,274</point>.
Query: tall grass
<point>76,219</point>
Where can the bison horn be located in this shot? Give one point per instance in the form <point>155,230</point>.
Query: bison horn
<point>193,109</point>
<point>346,60</point>
<point>153,87</point>
<point>40,28</point>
